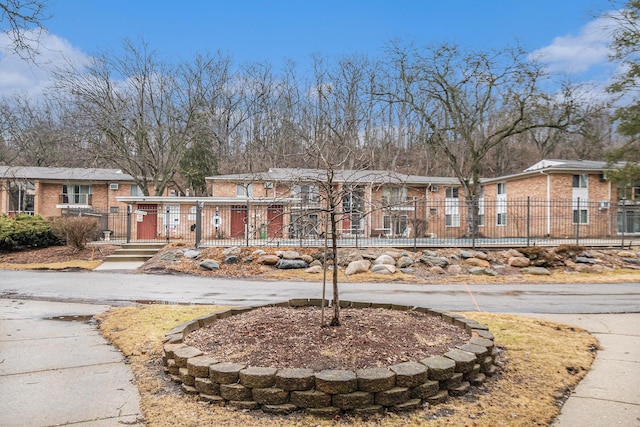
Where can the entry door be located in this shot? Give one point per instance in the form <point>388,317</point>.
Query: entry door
<point>148,227</point>
<point>238,221</point>
<point>275,221</point>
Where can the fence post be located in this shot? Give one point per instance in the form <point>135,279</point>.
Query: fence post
<point>624,219</point>
<point>415,224</point>
<point>166,222</point>
<point>128,223</point>
<point>577,221</point>
<point>474,225</point>
<point>248,224</point>
<point>199,206</point>
<point>528,219</point>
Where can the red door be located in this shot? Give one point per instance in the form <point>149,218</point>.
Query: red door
<point>275,221</point>
<point>148,227</point>
<point>238,220</point>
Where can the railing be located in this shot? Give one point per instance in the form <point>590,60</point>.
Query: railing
<point>417,223</point>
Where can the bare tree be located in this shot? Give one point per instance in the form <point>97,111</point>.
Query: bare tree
<point>22,21</point>
<point>467,102</point>
<point>143,111</point>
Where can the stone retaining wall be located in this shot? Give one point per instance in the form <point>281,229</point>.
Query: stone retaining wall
<point>363,392</point>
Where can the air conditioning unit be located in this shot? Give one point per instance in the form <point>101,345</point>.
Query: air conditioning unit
<point>113,186</point>
<point>268,184</point>
<point>434,188</point>
<point>603,205</point>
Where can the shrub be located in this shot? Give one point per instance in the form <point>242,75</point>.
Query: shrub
<point>25,231</point>
<point>76,232</point>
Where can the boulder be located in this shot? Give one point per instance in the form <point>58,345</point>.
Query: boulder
<point>383,269</point>
<point>167,256</point>
<point>481,255</point>
<point>437,270</point>
<point>434,261</point>
<point>231,259</point>
<point>476,262</point>
<point>268,259</point>
<point>635,261</point>
<point>314,263</point>
<point>585,260</point>
<point>427,252</point>
<point>316,269</point>
<point>385,259</point>
<point>466,254</point>
<point>454,269</point>
<point>258,252</point>
<point>235,250</point>
<point>290,264</point>
<point>482,271</point>
<point>519,261</point>
<point>355,267</point>
<point>404,261</point>
<point>288,254</point>
<point>191,253</point>
<point>209,264</point>
<point>307,258</point>
<point>537,271</point>
<point>511,253</point>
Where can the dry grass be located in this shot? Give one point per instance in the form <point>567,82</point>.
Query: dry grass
<point>74,264</point>
<point>542,361</point>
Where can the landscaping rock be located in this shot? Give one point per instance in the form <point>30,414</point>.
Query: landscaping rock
<point>395,396</point>
<point>258,252</point>
<point>209,264</point>
<point>356,267</point>
<point>435,261</point>
<point>316,269</point>
<point>288,254</point>
<point>235,250</point>
<point>437,270</point>
<point>466,254</point>
<point>270,396</point>
<point>307,258</point>
<point>225,373</point>
<point>481,255</point>
<point>258,377</point>
<point>404,261</point>
<point>425,390</point>
<point>235,392</point>
<point>192,253</point>
<point>231,259</point>
<point>289,264</point>
<point>181,355</point>
<point>357,399</point>
<point>454,269</point>
<point>519,261</point>
<point>482,271</point>
<point>627,254</point>
<point>383,269</point>
<point>167,256</point>
<point>440,368</point>
<point>477,262</point>
<point>310,399</point>
<point>409,374</point>
<point>585,260</point>
<point>199,366</point>
<point>635,261</point>
<point>464,360</point>
<point>429,253</point>
<point>385,259</point>
<point>537,271</point>
<point>268,259</point>
<point>511,253</point>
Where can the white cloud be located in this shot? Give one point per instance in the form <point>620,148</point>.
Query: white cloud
<point>580,53</point>
<point>19,75</point>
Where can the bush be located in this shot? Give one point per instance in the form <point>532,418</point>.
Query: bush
<point>25,231</point>
<point>76,232</point>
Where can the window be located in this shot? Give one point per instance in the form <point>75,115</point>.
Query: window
<point>21,197</point>
<point>76,194</point>
<point>308,193</point>
<point>244,190</point>
<point>394,195</point>
<point>452,193</point>
<point>580,181</point>
<point>114,209</point>
<point>501,218</point>
<point>452,220</point>
<point>580,216</point>
<point>501,188</point>
<point>135,190</point>
<point>353,200</point>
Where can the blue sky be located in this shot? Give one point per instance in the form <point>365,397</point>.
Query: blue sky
<point>569,32</point>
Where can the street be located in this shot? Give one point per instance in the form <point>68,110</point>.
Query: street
<point>123,288</point>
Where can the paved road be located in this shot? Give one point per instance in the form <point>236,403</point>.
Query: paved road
<point>121,288</point>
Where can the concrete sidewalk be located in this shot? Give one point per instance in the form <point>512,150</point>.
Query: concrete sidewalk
<point>609,395</point>
<point>56,368</point>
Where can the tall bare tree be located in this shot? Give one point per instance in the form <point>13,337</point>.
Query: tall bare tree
<point>467,101</point>
<point>143,111</point>
<point>22,20</point>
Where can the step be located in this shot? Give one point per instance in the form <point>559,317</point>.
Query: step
<point>155,246</point>
<point>128,251</point>
<point>127,258</point>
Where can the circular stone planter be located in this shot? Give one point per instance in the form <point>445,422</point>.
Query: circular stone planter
<point>401,387</point>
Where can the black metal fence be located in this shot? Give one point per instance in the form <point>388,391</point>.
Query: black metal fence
<point>416,223</point>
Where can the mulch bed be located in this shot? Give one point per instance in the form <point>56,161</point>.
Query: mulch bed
<point>54,254</point>
<point>293,338</point>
